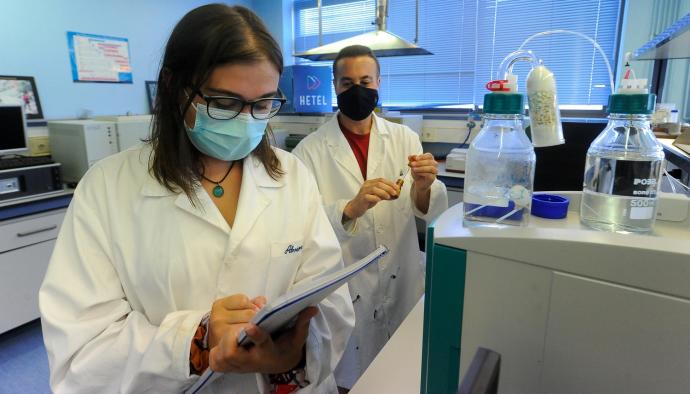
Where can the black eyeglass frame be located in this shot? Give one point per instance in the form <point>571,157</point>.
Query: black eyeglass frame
<point>282,99</point>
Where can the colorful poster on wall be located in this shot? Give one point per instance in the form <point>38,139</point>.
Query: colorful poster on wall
<point>312,88</point>
<point>98,58</point>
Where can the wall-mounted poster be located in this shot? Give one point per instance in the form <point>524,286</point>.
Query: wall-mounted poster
<point>97,58</point>
<point>21,90</point>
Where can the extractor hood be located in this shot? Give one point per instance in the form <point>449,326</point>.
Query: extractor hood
<point>672,43</point>
<point>381,42</point>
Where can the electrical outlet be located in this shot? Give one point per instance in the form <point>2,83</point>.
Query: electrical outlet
<point>39,146</point>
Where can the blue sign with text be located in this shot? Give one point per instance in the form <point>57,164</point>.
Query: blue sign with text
<point>312,88</point>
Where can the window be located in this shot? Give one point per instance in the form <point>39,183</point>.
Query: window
<point>469,38</point>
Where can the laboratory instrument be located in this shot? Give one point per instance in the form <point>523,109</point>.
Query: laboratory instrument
<point>22,176</point>
<point>456,159</point>
<point>499,170</point>
<point>79,144</point>
<point>556,297</point>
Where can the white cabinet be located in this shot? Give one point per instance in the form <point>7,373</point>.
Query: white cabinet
<point>564,333</point>
<point>506,307</point>
<point>570,309</point>
<point>598,332</point>
<point>26,244</point>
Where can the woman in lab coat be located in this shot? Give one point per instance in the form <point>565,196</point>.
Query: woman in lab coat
<point>169,249</point>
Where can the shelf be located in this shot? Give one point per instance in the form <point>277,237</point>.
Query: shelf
<point>672,43</point>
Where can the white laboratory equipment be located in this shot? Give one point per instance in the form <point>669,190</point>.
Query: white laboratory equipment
<point>569,308</point>
<point>499,170</point>
<point>414,122</point>
<point>456,160</point>
<point>288,130</point>
<point>78,144</point>
<point>131,130</point>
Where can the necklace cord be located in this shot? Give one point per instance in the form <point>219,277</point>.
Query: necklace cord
<point>224,176</point>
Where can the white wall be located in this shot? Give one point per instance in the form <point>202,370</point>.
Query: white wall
<point>33,42</point>
<point>277,15</point>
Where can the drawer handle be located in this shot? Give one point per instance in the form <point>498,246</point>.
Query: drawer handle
<point>40,230</point>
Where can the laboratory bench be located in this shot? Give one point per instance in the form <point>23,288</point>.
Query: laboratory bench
<point>677,157</point>
<point>396,368</point>
<point>570,309</point>
<point>28,229</point>
<point>454,181</point>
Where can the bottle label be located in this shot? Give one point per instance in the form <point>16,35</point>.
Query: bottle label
<point>627,178</point>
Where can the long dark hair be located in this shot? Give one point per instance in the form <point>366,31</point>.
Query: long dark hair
<point>205,38</point>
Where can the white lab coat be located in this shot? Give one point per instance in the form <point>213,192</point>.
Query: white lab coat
<point>136,267</point>
<point>384,294</point>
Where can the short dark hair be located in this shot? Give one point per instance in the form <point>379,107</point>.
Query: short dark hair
<point>355,51</point>
<point>205,38</point>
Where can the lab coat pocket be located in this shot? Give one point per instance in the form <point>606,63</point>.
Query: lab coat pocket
<point>286,257</point>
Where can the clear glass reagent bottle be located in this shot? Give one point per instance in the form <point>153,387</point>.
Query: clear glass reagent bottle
<point>623,174</point>
<point>499,171</point>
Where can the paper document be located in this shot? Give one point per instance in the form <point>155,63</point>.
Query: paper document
<point>281,313</point>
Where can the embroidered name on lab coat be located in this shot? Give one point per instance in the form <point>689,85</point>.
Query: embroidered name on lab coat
<point>293,249</point>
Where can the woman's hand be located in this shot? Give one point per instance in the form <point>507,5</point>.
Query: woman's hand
<point>266,355</point>
<point>231,313</point>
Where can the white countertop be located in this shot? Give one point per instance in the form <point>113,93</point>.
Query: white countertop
<point>36,197</point>
<point>398,367</point>
<point>668,143</point>
<point>658,262</point>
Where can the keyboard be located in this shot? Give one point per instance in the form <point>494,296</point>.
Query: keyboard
<point>24,161</point>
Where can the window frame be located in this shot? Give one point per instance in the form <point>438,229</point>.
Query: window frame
<point>437,110</point>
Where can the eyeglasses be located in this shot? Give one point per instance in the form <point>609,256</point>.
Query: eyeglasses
<point>226,107</point>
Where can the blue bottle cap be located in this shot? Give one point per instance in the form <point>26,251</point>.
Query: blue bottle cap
<point>549,206</point>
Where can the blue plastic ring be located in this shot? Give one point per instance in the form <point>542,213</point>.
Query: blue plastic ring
<point>549,206</point>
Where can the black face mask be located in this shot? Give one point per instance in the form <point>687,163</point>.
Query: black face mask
<point>357,102</point>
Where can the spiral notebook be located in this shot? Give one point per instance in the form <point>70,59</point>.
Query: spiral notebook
<point>281,313</point>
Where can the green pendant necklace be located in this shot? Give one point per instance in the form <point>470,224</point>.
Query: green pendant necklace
<point>218,190</point>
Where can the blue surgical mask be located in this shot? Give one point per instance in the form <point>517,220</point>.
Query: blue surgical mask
<point>227,140</point>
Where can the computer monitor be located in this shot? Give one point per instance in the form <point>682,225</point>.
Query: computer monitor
<point>13,135</point>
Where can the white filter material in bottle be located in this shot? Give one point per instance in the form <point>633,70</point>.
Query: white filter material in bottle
<point>545,120</point>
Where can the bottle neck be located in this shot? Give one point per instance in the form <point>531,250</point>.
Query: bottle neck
<point>504,120</point>
<point>637,120</point>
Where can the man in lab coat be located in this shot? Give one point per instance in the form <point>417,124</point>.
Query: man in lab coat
<point>356,158</point>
